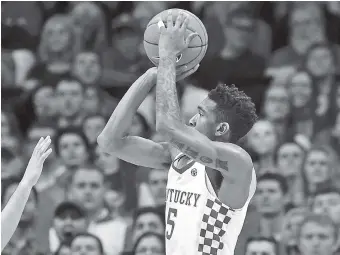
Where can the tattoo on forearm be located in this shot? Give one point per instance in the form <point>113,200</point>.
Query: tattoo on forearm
<point>195,155</point>
<point>166,92</point>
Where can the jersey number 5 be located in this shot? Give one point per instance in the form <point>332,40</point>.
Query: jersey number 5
<point>172,213</point>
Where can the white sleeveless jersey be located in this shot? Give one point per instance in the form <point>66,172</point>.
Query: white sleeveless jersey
<point>197,222</point>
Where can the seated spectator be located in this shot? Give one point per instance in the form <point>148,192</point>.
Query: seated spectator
<point>317,235</point>
<point>69,220</point>
<point>262,245</point>
<point>150,243</point>
<point>306,27</point>
<point>291,224</point>
<point>317,170</point>
<point>86,243</point>
<point>10,132</point>
<point>146,219</point>
<point>70,97</point>
<point>92,126</point>
<point>57,48</point>
<point>262,141</point>
<point>63,249</point>
<point>12,165</point>
<point>327,201</point>
<point>87,187</point>
<point>87,68</point>
<point>289,160</point>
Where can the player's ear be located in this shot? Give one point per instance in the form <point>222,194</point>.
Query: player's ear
<point>222,129</point>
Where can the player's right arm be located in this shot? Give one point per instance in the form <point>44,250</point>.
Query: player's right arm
<point>136,150</point>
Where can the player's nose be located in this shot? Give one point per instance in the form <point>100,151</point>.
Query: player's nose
<point>192,121</point>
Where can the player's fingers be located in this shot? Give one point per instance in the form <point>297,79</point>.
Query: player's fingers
<point>179,20</point>
<point>169,22</point>
<point>39,142</point>
<point>45,155</point>
<point>190,37</point>
<point>184,24</point>
<point>161,26</point>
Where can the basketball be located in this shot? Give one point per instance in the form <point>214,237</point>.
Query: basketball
<point>191,56</point>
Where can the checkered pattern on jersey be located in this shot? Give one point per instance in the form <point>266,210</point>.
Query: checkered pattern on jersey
<point>214,223</point>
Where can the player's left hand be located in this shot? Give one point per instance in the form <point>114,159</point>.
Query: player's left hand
<point>172,39</point>
<point>35,165</point>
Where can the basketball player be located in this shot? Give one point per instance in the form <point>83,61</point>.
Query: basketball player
<point>211,180</point>
<point>11,214</point>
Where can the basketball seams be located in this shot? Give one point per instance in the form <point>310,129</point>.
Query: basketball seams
<point>192,47</point>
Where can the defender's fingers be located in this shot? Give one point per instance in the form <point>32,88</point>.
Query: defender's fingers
<point>45,155</point>
<point>45,144</point>
<point>161,25</point>
<point>169,22</point>
<point>179,20</point>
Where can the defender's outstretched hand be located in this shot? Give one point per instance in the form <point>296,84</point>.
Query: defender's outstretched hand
<point>35,165</point>
<point>172,39</point>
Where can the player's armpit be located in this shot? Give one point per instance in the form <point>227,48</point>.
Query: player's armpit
<point>231,160</point>
<point>140,151</point>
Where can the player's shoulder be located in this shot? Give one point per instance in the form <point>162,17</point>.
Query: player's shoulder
<point>235,151</point>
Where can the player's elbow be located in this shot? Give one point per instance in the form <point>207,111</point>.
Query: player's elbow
<point>107,145</point>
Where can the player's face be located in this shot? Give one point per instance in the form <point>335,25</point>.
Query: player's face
<point>88,189</point>
<point>260,248</point>
<point>328,204</point>
<point>85,245</point>
<point>148,222</point>
<point>262,137</point>
<point>316,239</point>
<point>92,127</point>
<point>30,207</point>
<point>157,182</point>
<point>72,150</point>
<point>301,89</point>
<point>150,246</point>
<point>317,167</point>
<point>205,119</point>
<point>70,98</point>
<point>290,159</point>
<point>87,67</point>
<point>69,223</point>
<point>276,105</point>
<point>269,197</point>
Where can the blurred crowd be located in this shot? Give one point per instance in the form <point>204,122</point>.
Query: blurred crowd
<point>66,65</point>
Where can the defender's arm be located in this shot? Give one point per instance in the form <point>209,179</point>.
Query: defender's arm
<point>133,149</point>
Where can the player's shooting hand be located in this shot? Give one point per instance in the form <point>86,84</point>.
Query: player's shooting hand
<point>35,165</point>
<point>173,38</point>
<point>181,72</point>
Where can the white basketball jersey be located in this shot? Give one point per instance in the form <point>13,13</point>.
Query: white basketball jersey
<point>197,222</point>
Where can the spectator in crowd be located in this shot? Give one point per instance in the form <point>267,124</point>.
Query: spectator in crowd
<point>149,243</point>
<point>157,182</point>
<point>63,249</point>
<point>291,224</point>
<point>262,141</point>
<point>87,244</point>
<point>146,219</point>
<point>10,133</point>
<point>69,220</point>
<point>327,201</point>
<point>317,170</point>
<point>87,68</point>
<point>87,187</point>
<point>317,235</point>
<point>289,160</point>
<point>261,245</point>
<point>70,97</point>
<point>92,126</point>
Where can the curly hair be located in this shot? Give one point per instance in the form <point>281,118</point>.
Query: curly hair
<point>234,107</point>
